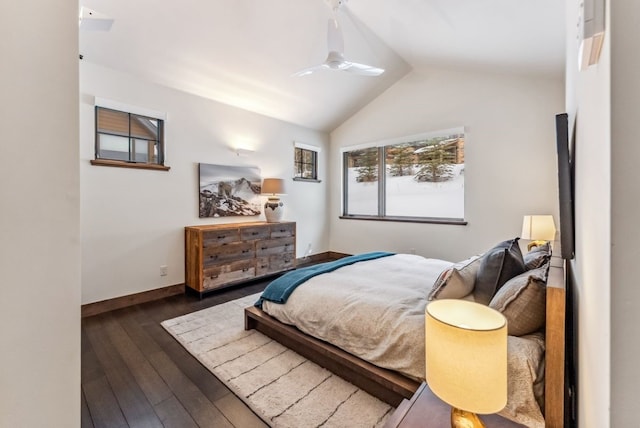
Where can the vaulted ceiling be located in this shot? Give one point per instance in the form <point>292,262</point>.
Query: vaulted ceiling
<point>244,52</point>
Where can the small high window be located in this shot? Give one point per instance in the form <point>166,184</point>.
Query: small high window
<point>305,162</point>
<point>128,140</point>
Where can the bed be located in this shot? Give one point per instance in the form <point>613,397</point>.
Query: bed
<point>402,374</point>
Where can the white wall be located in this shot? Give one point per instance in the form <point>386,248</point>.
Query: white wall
<point>589,104</point>
<point>510,155</point>
<point>39,194</point>
<point>133,220</point>
<point>625,210</point>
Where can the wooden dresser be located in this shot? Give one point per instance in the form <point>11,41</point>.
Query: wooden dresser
<point>220,255</point>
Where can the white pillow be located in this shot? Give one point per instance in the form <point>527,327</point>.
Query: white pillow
<point>457,281</point>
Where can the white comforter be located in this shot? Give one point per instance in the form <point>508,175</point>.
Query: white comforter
<point>375,310</point>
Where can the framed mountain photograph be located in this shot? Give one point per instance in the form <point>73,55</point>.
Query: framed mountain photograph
<point>229,190</point>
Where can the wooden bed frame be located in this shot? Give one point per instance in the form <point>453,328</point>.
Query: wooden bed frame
<point>393,387</point>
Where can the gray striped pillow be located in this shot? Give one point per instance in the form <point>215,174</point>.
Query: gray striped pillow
<point>538,256</point>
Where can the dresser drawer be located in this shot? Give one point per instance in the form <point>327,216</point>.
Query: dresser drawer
<point>275,246</point>
<point>262,266</point>
<point>221,275</point>
<point>255,232</point>
<point>275,263</point>
<point>235,251</point>
<point>282,230</point>
<point>212,238</point>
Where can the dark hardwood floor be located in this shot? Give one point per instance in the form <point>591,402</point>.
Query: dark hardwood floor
<point>134,374</point>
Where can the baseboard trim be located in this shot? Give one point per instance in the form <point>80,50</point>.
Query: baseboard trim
<point>327,256</point>
<point>334,255</point>
<point>103,306</point>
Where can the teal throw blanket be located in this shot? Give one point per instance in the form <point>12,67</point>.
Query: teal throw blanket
<point>279,290</point>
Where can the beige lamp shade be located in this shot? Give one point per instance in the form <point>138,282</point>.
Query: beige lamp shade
<point>466,355</point>
<point>273,186</point>
<point>538,228</point>
<point>273,208</point>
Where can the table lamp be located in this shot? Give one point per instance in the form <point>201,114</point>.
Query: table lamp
<point>273,208</point>
<point>539,229</point>
<point>466,358</point>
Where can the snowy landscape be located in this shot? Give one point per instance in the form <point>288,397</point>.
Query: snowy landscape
<point>407,197</point>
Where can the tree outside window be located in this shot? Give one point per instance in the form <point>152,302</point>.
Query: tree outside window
<point>423,179</point>
<point>305,162</point>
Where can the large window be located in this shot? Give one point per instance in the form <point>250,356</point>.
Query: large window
<point>128,139</point>
<point>419,178</point>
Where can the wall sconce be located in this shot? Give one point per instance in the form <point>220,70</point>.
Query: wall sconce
<point>539,229</point>
<point>273,208</point>
<point>466,358</point>
<point>243,152</point>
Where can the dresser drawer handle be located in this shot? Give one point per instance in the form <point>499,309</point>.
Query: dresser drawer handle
<point>213,276</point>
<point>255,233</point>
<point>263,248</point>
<point>245,251</point>
<point>245,269</point>
<point>283,230</point>
<point>222,236</point>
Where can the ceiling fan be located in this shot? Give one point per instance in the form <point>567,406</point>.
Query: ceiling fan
<point>335,42</point>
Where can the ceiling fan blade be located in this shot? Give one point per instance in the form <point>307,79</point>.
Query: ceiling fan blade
<point>309,70</point>
<point>362,69</point>
<point>335,41</point>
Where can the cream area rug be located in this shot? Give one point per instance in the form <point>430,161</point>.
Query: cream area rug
<point>282,388</point>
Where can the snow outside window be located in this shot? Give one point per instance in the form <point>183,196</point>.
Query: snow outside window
<point>423,178</point>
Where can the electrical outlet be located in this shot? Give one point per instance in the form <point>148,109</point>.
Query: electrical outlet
<point>164,270</point>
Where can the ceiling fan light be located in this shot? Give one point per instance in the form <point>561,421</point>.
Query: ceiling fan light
<point>335,61</point>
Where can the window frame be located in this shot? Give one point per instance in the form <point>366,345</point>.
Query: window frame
<point>132,113</point>
<point>298,166</point>
<point>382,177</point>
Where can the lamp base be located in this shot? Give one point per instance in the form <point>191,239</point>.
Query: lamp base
<point>535,244</point>
<point>273,210</point>
<point>464,419</point>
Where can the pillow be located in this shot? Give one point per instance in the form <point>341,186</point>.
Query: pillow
<point>497,266</point>
<point>543,248</point>
<point>457,281</point>
<point>440,283</point>
<point>538,256</point>
<point>522,300</point>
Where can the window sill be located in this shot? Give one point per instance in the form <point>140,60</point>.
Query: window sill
<point>308,180</point>
<point>450,221</point>
<point>122,164</point>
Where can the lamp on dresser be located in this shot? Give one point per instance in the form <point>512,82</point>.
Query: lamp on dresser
<point>539,229</point>
<point>466,358</point>
<point>273,208</point>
